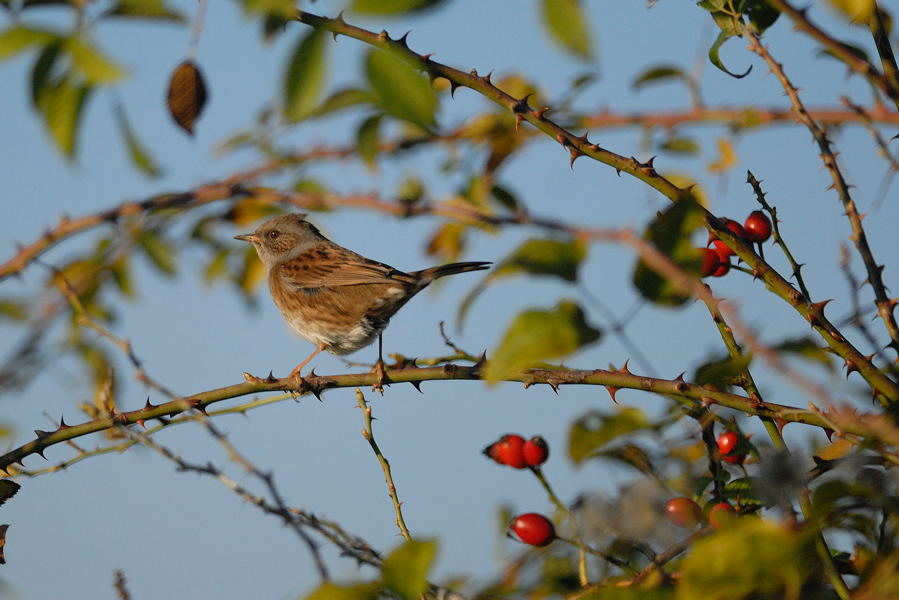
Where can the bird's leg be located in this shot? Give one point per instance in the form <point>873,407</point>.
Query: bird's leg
<point>379,369</point>
<point>299,367</point>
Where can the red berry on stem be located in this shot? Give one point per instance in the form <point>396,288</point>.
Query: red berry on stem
<point>710,262</point>
<point>757,226</point>
<point>721,514</point>
<point>736,228</point>
<point>683,512</point>
<point>510,450</point>
<point>723,267</point>
<point>727,441</point>
<point>722,249</point>
<point>535,451</point>
<point>533,529</point>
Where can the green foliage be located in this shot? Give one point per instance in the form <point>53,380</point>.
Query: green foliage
<point>400,89</point>
<point>306,74</point>
<point>659,74</point>
<point>671,232</point>
<point>591,432</point>
<point>18,38</point>
<point>537,335</point>
<point>393,7</point>
<point>405,571</point>
<point>750,558</point>
<point>145,9</point>
<point>722,372</point>
<point>61,104</point>
<point>139,155</point>
<point>367,140</point>
<point>567,24</point>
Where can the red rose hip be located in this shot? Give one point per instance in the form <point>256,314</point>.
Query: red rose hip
<point>757,226</point>
<point>509,450</point>
<point>727,441</point>
<point>533,529</point>
<point>683,512</point>
<point>535,451</point>
<point>710,261</point>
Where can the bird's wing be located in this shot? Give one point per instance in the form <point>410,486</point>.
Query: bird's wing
<point>335,266</point>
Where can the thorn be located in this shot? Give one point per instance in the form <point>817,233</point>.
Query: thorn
<point>563,140</point>
<point>62,424</point>
<point>384,36</point>
<point>417,386</point>
<point>521,106</point>
<point>147,405</point>
<point>317,392</point>
<point>403,40</point>
<point>575,154</point>
<point>624,368</point>
<point>41,453</point>
<point>679,384</point>
<point>482,360</point>
<point>554,386</point>
<point>829,434</point>
<point>140,422</point>
<point>518,120</point>
<point>486,78</point>
<point>541,112</point>
<point>271,378</point>
<point>612,391</point>
<point>41,433</point>
<point>819,306</point>
<point>427,57</point>
<point>453,87</point>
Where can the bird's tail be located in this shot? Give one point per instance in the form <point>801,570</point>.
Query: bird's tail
<point>426,276</point>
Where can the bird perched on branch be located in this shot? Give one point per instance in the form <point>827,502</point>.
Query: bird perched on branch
<point>338,300</point>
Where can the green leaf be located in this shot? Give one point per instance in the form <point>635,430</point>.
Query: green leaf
<point>305,75</point>
<point>716,60</point>
<point>537,256</point>
<point>808,349</point>
<point>61,105</point>
<point>342,99</point>
<point>160,252</point>
<point>670,232</point>
<point>536,335</point>
<point>858,11</point>
<point>93,65</point>
<point>750,558</point>
<point>145,9</point>
<point>284,9</point>
<point>42,73</point>
<point>742,491</point>
<point>138,154</point>
<point>405,571</point>
<point>17,39</point>
<point>629,454</point>
<point>332,591</point>
<point>657,74</point>
<point>401,90</point>
<point>722,372</point>
<point>392,7</point>
<point>680,145</point>
<point>367,140</point>
<point>567,24</point>
<point>761,14</point>
<point>596,429</point>
<point>15,310</point>
<point>121,276</point>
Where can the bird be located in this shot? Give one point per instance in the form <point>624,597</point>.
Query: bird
<point>338,300</point>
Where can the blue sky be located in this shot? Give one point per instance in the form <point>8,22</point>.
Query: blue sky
<point>184,536</point>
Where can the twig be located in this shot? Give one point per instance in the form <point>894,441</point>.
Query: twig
<point>369,436</point>
<point>884,304</point>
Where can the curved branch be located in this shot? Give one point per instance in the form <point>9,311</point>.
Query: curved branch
<point>688,393</point>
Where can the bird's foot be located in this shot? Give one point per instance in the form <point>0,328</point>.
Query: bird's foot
<point>381,377</point>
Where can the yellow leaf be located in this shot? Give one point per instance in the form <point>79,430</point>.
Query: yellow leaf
<point>727,158</point>
<point>856,10</point>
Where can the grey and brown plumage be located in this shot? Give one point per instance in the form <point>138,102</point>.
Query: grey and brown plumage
<point>337,299</point>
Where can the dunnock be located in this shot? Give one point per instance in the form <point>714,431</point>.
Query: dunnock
<point>338,300</point>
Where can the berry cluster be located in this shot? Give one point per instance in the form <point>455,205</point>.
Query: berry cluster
<point>684,512</point>
<point>513,451</point>
<point>716,260</point>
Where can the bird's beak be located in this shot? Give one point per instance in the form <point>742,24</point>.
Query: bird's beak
<point>247,237</point>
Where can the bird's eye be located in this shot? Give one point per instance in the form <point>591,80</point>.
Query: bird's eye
<point>273,235</point>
